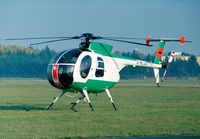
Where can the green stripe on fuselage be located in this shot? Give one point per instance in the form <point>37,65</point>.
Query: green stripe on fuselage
<point>93,86</point>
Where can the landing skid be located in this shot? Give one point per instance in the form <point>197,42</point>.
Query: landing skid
<point>84,94</point>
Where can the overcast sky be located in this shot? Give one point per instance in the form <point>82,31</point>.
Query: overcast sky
<point>128,18</point>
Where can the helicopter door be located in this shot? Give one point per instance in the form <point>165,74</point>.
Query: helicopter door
<point>100,67</point>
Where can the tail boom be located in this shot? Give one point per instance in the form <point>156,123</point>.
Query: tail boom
<point>122,62</point>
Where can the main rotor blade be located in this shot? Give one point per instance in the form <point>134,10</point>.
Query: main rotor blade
<point>51,41</point>
<point>181,40</point>
<point>128,38</point>
<point>167,40</point>
<point>40,38</point>
<point>126,41</point>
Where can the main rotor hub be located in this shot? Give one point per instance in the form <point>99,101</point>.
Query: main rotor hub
<point>89,36</point>
<point>86,40</point>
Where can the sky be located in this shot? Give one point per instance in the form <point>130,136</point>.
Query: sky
<point>124,18</point>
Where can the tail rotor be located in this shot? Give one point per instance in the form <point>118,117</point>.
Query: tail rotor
<point>171,57</point>
<point>159,54</point>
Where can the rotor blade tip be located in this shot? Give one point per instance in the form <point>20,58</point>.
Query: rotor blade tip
<point>182,40</point>
<point>148,40</point>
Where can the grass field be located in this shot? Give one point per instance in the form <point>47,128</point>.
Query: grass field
<point>143,110</point>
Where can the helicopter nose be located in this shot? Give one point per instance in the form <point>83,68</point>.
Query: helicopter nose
<point>60,76</point>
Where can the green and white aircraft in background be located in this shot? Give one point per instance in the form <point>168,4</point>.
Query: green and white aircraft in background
<point>93,68</point>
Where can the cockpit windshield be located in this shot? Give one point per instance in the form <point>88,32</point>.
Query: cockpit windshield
<point>61,68</point>
<point>68,56</point>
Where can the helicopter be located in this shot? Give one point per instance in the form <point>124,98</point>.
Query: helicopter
<point>93,68</point>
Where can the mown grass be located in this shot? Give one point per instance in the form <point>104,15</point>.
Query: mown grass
<point>143,110</point>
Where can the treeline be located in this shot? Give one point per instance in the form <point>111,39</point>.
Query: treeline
<point>24,62</point>
<point>32,63</point>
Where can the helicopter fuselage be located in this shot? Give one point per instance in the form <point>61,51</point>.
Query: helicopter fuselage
<point>77,70</point>
<point>94,69</point>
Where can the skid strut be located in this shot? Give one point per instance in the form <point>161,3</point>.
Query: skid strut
<point>110,97</point>
<point>56,99</point>
<point>74,104</point>
<point>84,94</point>
<point>88,99</point>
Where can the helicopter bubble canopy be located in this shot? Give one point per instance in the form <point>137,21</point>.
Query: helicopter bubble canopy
<point>61,67</point>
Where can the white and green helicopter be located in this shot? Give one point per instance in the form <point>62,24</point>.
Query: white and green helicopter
<point>93,68</point>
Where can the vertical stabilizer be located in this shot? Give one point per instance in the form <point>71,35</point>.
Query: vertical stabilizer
<point>157,60</point>
<point>159,52</point>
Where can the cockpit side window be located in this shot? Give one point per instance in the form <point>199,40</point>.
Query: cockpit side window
<point>100,67</point>
<point>85,66</point>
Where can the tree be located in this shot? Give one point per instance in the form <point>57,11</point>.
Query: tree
<point>193,67</point>
<point>16,61</point>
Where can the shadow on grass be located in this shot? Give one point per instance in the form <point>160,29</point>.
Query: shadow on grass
<point>24,107</point>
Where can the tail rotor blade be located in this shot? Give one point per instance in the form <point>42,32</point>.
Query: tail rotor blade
<point>171,57</point>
